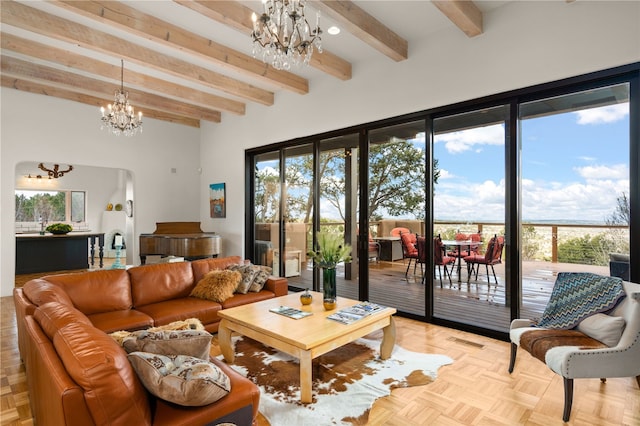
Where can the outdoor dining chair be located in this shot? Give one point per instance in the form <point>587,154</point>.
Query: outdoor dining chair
<point>440,259</point>
<point>491,257</point>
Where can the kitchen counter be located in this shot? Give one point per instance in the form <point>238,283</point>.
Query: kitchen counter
<point>49,252</point>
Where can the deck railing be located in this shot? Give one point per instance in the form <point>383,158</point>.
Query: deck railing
<point>540,240</point>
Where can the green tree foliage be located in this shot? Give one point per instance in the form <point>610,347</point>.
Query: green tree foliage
<point>40,206</point>
<point>396,183</point>
<point>586,250</point>
<point>530,245</point>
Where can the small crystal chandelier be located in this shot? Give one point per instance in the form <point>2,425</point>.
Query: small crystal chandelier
<point>282,35</point>
<point>121,117</point>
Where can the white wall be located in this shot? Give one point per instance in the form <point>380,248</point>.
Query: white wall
<point>525,43</point>
<point>42,128</point>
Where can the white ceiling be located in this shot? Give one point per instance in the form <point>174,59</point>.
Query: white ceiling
<point>411,20</point>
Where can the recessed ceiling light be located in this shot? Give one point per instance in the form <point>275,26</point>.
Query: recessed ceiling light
<point>333,30</point>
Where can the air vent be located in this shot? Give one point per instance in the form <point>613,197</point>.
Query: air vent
<point>466,342</point>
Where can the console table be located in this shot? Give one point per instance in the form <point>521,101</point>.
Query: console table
<point>44,253</point>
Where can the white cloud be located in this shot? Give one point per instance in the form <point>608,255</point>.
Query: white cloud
<point>472,139</point>
<point>606,114</point>
<point>618,171</point>
<point>445,174</point>
<point>593,200</point>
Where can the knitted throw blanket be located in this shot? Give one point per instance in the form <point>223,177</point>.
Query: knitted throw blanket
<point>577,295</point>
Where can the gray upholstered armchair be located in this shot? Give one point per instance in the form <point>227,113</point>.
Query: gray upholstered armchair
<point>617,334</point>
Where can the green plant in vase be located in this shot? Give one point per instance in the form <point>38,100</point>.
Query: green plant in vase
<point>59,228</point>
<point>331,250</point>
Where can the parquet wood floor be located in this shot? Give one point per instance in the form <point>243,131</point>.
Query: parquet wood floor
<point>475,390</point>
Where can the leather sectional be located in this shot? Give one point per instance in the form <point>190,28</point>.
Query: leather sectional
<point>78,375</point>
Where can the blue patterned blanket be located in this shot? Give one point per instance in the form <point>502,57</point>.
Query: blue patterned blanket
<point>577,295</point>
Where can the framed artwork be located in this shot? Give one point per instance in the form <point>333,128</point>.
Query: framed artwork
<point>217,202</point>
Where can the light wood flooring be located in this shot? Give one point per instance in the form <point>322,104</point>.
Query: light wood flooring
<point>475,390</point>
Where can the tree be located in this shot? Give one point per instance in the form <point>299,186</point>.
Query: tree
<point>396,183</point>
<point>622,213</point>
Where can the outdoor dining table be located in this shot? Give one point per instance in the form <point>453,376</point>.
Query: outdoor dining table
<point>460,246</point>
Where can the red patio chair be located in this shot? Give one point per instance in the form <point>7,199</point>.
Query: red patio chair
<point>440,260</point>
<point>409,250</point>
<point>491,257</point>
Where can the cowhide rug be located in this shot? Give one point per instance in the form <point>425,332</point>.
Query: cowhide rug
<point>346,381</point>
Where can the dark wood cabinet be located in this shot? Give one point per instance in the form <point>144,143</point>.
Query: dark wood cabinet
<point>43,253</point>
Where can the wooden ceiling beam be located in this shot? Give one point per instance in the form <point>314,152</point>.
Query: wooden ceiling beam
<point>168,35</point>
<point>33,49</point>
<point>70,95</point>
<point>31,19</point>
<point>463,13</point>
<point>238,16</point>
<point>33,72</point>
<point>364,26</point>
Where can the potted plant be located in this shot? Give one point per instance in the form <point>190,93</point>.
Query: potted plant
<point>59,228</point>
<point>331,250</point>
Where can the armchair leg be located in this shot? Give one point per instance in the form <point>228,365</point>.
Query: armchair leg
<point>568,398</point>
<point>512,360</point>
<point>638,380</point>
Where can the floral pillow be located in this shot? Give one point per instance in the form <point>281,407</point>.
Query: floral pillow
<point>181,379</point>
<point>195,343</point>
<point>261,277</point>
<point>248,274</point>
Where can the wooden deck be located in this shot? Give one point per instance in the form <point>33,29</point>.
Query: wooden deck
<point>478,303</point>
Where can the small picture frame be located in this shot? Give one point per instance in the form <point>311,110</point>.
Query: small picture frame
<point>217,200</point>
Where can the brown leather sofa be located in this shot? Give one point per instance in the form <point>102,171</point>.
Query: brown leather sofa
<point>78,375</point>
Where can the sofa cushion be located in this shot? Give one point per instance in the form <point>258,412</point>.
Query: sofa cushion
<point>181,309</point>
<point>217,285</point>
<point>129,319</point>
<point>40,291</point>
<point>94,360</point>
<point>53,316</point>
<point>195,343</point>
<point>160,282</point>
<point>202,266</point>
<point>111,284</point>
<point>604,328</point>
<point>181,379</point>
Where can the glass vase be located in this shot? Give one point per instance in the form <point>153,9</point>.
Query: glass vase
<point>329,288</point>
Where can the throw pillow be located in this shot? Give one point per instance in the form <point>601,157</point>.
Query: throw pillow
<point>248,274</point>
<point>261,278</point>
<point>180,379</point>
<point>217,285</point>
<point>605,328</point>
<point>194,343</point>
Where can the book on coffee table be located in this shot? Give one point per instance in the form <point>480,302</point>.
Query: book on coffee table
<point>356,312</point>
<point>290,312</point>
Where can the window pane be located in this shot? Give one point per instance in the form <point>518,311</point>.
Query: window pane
<point>77,206</point>
<point>575,187</point>
<point>469,207</point>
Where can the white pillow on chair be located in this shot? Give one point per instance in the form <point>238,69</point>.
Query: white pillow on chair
<point>605,328</point>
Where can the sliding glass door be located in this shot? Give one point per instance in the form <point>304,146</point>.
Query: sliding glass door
<point>575,189</point>
<point>469,280</point>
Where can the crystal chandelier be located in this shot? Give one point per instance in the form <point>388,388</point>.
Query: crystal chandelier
<point>282,35</point>
<point>120,118</point>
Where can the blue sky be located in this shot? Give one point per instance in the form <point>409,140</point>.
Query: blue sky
<point>574,166</point>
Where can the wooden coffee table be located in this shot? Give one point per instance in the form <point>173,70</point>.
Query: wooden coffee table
<point>305,338</point>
